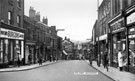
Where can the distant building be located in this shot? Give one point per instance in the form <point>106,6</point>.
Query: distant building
<point>68,47</point>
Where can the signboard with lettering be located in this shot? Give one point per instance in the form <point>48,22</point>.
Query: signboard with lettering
<point>117,25</point>
<point>131,18</point>
<point>11,34</point>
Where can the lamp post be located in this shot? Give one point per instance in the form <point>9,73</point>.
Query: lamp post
<point>0,13</point>
<point>0,16</point>
<point>98,61</point>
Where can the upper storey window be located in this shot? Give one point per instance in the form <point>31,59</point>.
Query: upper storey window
<point>19,3</point>
<point>18,20</point>
<point>10,20</point>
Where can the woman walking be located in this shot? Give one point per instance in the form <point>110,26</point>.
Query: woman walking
<point>120,60</point>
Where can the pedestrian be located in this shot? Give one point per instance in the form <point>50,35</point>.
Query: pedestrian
<point>29,59</point>
<point>105,60</point>
<point>120,60</point>
<point>19,59</point>
<point>50,58</point>
<point>90,57</point>
<point>40,59</point>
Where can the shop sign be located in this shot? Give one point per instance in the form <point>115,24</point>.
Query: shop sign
<point>118,24</point>
<point>96,38</point>
<point>131,19</point>
<point>6,33</point>
<point>131,31</point>
<point>131,36</point>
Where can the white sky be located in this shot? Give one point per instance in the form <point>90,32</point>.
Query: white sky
<point>77,17</point>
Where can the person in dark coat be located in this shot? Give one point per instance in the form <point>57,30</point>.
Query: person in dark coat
<point>40,60</point>
<point>90,57</point>
<point>29,59</point>
<point>19,59</point>
<point>50,58</point>
<point>105,60</point>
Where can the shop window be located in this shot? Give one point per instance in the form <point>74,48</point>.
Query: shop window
<point>11,2</point>
<point>19,3</point>
<point>28,34</point>
<point>1,51</point>
<point>132,52</point>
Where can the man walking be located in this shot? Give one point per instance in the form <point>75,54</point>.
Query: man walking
<point>90,57</point>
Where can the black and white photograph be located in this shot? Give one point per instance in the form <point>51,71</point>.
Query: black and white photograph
<point>67,40</point>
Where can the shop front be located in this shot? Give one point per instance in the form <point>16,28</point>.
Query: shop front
<point>102,47</point>
<point>30,52</point>
<point>130,59</point>
<point>11,43</point>
<point>118,40</point>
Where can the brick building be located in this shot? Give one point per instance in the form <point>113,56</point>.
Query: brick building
<point>104,14</point>
<point>117,31</point>
<point>68,47</point>
<point>122,33</point>
<point>12,31</point>
<point>41,39</point>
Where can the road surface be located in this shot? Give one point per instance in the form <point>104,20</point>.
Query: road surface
<point>73,70</point>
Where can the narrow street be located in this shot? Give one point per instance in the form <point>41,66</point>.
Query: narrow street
<point>75,70</point>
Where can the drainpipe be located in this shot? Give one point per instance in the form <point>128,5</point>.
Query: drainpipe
<point>127,39</point>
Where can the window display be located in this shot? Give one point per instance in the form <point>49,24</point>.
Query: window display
<point>1,51</point>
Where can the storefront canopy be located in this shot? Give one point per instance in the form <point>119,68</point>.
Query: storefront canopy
<point>64,52</point>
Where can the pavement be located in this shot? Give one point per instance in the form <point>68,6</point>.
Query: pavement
<point>27,67</point>
<point>114,73</point>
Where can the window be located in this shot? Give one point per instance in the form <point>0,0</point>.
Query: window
<point>116,6</point>
<point>28,34</point>
<point>9,17</point>
<point>129,2</point>
<point>18,20</point>
<point>19,3</point>
<point>1,51</point>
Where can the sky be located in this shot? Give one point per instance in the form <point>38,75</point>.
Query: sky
<point>76,17</point>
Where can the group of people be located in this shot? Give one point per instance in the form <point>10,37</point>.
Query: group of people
<point>40,59</point>
<point>19,60</point>
<point>52,58</point>
<point>104,59</point>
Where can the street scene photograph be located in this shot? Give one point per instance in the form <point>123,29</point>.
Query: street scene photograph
<point>67,40</point>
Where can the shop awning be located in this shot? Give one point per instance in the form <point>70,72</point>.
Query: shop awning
<point>103,37</point>
<point>64,52</point>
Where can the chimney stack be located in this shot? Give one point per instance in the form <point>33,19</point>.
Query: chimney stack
<point>45,20</point>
